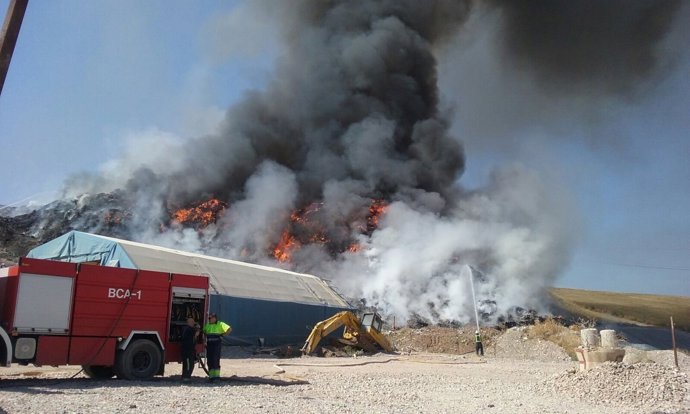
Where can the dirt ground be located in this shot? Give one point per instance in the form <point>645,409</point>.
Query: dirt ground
<point>436,339</point>
<point>451,379</point>
<point>417,382</point>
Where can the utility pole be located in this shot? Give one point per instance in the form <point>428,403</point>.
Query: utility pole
<point>673,341</point>
<point>8,37</point>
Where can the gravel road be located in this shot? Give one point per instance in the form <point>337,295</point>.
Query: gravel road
<point>411,383</point>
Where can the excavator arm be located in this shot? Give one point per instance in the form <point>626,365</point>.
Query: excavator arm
<point>365,335</point>
<point>327,326</point>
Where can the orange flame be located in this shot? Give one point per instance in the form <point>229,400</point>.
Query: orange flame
<point>286,247</point>
<point>354,248</point>
<point>377,208</point>
<point>305,228</point>
<point>202,215</point>
<point>299,219</point>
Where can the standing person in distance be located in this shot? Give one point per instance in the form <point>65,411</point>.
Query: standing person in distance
<point>479,348</point>
<point>213,331</point>
<point>190,333</point>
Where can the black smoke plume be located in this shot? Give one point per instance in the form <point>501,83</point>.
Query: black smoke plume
<point>612,46</point>
<point>352,115</point>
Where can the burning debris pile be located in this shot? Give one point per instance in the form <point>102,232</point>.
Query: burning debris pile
<point>304,229</point>
<point>201,214</point>
<point>343,166</point>
<point>108,214</point>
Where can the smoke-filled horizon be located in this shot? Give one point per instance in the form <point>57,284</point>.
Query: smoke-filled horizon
<point>352,113</point>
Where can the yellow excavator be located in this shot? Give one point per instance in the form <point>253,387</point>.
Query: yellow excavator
<point>365,334</point>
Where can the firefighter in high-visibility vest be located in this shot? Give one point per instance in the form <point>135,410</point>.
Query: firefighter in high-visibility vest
<point>478,343</point>
<point>213,331</point>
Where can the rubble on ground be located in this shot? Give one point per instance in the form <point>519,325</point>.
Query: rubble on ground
<point>663,357</point>
<point>637,385</point>
<point>284,351</point>
<point>519,317</point>
<point>459,339</point>
<point>515,343</point>
<point>438,339</point>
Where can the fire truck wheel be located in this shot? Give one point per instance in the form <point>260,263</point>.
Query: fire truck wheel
<point>98,371</point>
<point>140,360</point>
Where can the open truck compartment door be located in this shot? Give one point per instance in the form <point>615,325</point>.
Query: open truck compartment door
<point>186,302</point>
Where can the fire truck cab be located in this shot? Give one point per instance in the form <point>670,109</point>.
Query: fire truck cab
<point>111,321</point>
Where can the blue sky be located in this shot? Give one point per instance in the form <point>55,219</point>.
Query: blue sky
<point>86,76</point>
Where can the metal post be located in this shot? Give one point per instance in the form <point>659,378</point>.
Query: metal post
<point>673,341</point>
<point>8,37</point>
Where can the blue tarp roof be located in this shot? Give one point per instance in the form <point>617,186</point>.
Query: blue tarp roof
<point>78,247</point>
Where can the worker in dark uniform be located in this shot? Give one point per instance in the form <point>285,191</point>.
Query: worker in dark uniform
<point>190,333</point>
<point>478,343</point>
<point>214,330</point>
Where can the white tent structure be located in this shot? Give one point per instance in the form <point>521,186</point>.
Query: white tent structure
<point>273,304</point>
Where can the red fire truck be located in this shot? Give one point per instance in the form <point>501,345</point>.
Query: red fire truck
<point>111,321</point>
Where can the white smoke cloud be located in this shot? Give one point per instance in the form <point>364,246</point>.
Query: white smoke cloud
<point>256,221</point>
<point>514,232</point>
<point>152,149</point>
<point>246,31</point>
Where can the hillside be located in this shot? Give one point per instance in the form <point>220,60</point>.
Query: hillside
<point>637,308</point>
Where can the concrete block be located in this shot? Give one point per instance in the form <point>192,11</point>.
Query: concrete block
<point>588,358</point>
